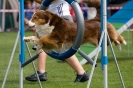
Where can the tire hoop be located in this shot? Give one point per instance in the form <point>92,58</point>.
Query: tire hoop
<point>80,31</point>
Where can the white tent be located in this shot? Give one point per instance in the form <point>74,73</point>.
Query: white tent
<point>1,1</point>
<point>12,4</point>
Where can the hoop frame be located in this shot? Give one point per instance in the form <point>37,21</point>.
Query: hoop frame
<point>80,32</point>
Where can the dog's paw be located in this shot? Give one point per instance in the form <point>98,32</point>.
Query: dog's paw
<point>27,39</point>
<point>119,46</point>
<point>125,43</point>
<point>32,39</point>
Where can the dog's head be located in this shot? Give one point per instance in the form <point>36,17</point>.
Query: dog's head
<point>42,17</point>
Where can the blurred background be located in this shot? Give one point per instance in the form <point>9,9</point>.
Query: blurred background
<point>9,10</point>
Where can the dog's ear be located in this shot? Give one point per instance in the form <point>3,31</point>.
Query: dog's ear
<point>41,10</point>
<point>49,13</point>
<point>54,18</point>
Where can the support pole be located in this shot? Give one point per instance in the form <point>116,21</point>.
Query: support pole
<point>116,63</point>
<point>104,43</point>
<point>21,27</point>
<point>95,59</point>
<point>11,58</point>
<point>86,57</point>
<point>103,40</point>
<point>132,32</point>
<point>39,82</point>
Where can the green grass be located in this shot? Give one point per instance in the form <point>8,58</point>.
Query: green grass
<point>117,25</point>
<point>61,75</point>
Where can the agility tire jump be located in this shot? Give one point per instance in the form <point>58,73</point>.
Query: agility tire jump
<point>79,36</point>
<point>80,32</point>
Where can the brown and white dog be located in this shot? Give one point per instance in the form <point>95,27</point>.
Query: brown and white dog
<point>57,33</point>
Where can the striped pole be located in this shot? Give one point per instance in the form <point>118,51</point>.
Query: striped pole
<point>104,44</point>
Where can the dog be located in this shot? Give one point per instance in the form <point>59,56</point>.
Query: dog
<point>96,5</point>
<point>56,33</point>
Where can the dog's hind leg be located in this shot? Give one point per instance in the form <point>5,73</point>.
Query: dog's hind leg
<point>121,40</point>
<point>117,44</point>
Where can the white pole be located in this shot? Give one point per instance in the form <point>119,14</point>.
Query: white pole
<point>10,61</point>
<point>20,68</point>
<point>21,76</point>
<point>105,61</point>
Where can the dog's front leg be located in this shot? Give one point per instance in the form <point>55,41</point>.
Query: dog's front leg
<point>34,40</point>
<point>48,43</point>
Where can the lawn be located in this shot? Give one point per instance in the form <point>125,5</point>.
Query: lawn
<point>60,74</point>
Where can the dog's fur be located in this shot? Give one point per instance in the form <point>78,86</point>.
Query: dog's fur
<point>57,33</point>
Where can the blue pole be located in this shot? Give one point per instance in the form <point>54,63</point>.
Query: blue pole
<point>21,29</point>
<point>21,25</point>
<point>104,58</point>
<point>101,30</point>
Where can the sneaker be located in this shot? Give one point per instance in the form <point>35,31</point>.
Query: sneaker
<point>82,78</point>
<point>42,77</point>
<point>34,47</point>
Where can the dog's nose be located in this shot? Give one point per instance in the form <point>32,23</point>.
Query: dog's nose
<point>31,27</point>
<point>31,24</point>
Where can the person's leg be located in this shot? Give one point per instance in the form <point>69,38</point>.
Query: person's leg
<point>41,62</point>
<point>41,65</point>
<point>74,63</point>
<point>82,76</point>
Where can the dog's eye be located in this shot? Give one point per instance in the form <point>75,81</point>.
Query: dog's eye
<point>35,17</point>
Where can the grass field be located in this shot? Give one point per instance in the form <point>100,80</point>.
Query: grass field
<point>60,75</point>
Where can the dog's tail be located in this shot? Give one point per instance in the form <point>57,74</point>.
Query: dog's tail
<point>94,3</point>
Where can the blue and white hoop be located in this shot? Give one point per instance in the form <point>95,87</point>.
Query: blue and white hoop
<point>80,32</point>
